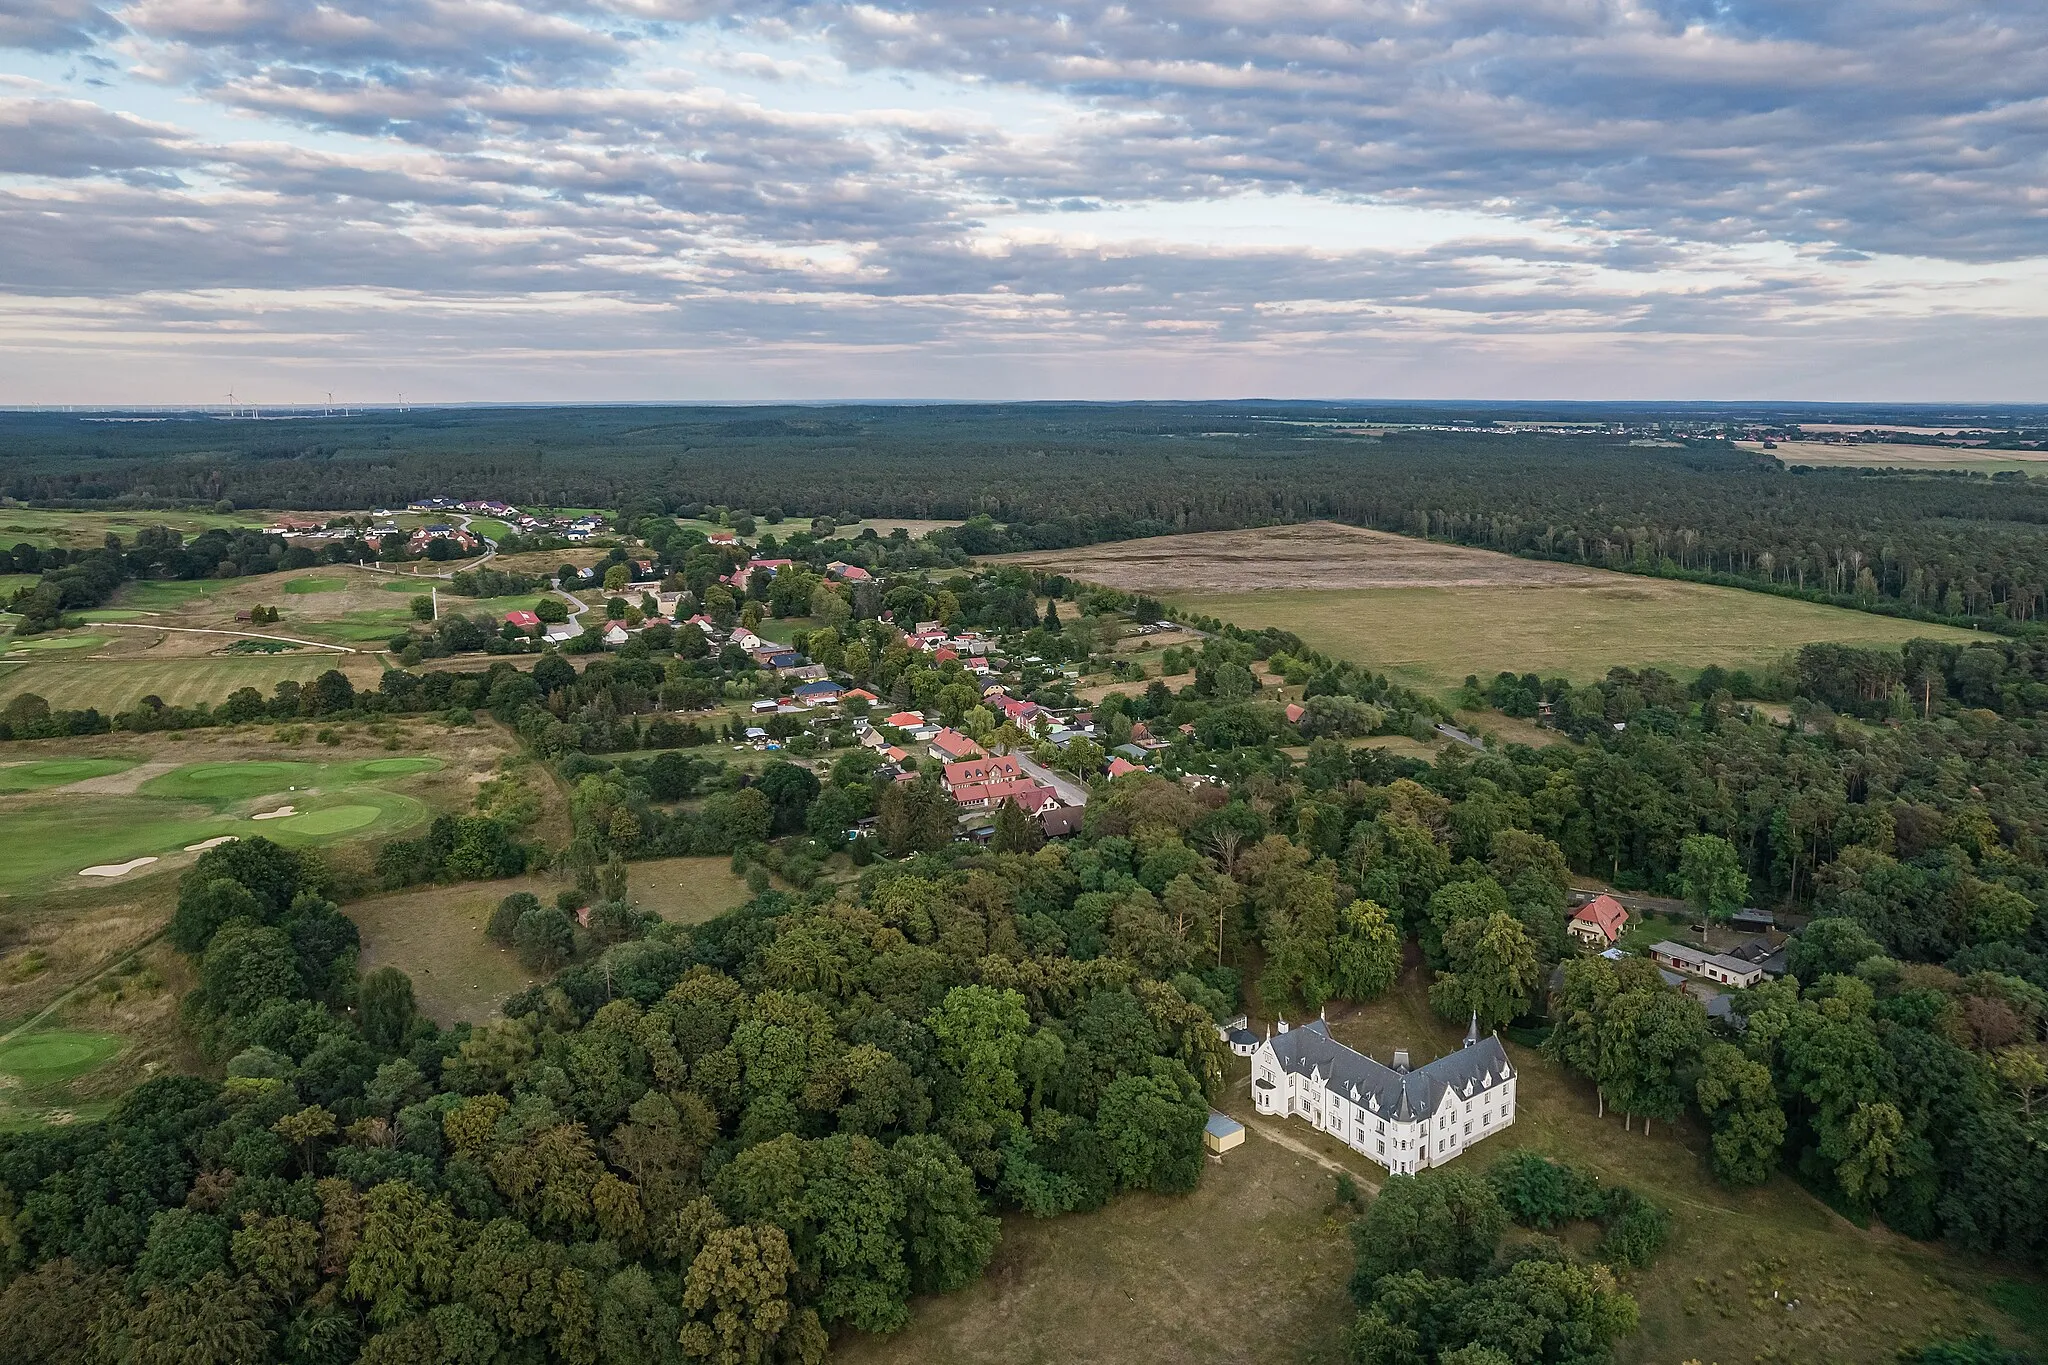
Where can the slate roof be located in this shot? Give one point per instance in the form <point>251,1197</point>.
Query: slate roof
<point>1221,1125</point>
<point>1409,1095</point>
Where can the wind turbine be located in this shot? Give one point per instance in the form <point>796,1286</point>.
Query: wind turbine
<point>329,411</point>
<point>231,402</point>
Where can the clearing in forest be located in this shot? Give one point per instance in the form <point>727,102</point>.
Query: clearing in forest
<point>1899,455</point>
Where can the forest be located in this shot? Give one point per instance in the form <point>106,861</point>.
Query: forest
<point>1946,546</point>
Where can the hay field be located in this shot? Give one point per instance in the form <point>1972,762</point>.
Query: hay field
<point>1889,455</point>
<point>1430,614</point>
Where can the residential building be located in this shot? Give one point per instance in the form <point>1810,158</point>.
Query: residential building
<point>950,746</point>
<point>525,620</point>
<point>1404,1119</point>
<point>968,772</point>
<point>819,692</point>
<point>1716,967</point>
<point>1119,766</point>
<point>1599,922</point>
<point>1032,796</point>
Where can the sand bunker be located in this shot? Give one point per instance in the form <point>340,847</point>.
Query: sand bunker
<point>280,813</point>
<point>115,869</point>
<point>215,842</point>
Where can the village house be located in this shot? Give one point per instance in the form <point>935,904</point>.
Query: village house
<point>1119,767</point>
<point>1599,922</point>
<point>978,770</point>
<point>1404,1119</point>
<point>950,746</point>
<point>818,692</point>
<point>1031,796</point>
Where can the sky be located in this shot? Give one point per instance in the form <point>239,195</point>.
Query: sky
<point>644,200</point>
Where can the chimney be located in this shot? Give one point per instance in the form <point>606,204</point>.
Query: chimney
<point>1401,1059</point>
<point>1283,1025</point>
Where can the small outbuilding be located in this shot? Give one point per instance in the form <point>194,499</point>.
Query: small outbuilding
<point>1221,1133</point>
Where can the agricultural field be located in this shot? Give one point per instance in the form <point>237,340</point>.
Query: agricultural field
<point>116,684</point>
<point>1898,455</point>
<point>1252,1266</point>
<point>1431,614</point>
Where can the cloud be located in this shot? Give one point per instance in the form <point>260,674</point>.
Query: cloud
<point>1297,188</point>
<point>54,25</point>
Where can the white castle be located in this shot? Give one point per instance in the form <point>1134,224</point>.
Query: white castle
<point>1405,1119</point>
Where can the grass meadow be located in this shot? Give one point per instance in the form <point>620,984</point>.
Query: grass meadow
<point>1432,637</point>
<point>436,936</point>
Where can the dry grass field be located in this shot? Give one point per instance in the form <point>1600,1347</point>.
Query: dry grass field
<point>1430,614</point>
<point>1252,1266</point>
<point>685,890</point>
<point>436,936</point>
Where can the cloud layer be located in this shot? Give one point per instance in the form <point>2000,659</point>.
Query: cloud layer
<point>645,198</point>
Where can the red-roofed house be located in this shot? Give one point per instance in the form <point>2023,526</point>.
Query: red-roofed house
<point>720,537</point>
<point>1119,766</point>
<point>975,771</point>
<point>1295,711</point>
<point>905,720</point>
<point>525,620</point>
<point>1027,792</point>
<point>1599,921</point>
<point>950,746</point>
<point>860,694</point>
<point>945,654</point>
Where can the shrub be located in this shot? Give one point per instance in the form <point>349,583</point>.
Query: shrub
<point>1636,1229</point>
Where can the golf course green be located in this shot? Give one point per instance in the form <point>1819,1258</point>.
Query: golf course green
<point>58,772</point>
<point>222,784</point>
<point>41,1059</point>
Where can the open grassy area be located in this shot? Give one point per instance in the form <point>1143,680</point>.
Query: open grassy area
<point>180,680</point>
<point>1434,637</point>
<point>303,586</point>
<point>685,890</point>
<point>436,936</point>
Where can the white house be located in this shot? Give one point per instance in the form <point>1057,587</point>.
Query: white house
<point>1404,1118</point>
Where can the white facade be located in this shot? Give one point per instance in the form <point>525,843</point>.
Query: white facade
<point>1406,1120</point>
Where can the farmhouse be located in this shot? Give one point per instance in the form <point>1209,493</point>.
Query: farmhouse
<point>1406,1120</point>
<point>1599,922</point>
<point>525,620</point>
<point>1720,967</point>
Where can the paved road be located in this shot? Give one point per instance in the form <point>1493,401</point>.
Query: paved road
<point>1070,792</point>
<point>1452,732</point>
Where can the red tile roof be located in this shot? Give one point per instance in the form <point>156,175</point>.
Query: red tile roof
<point>1606,914</point>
